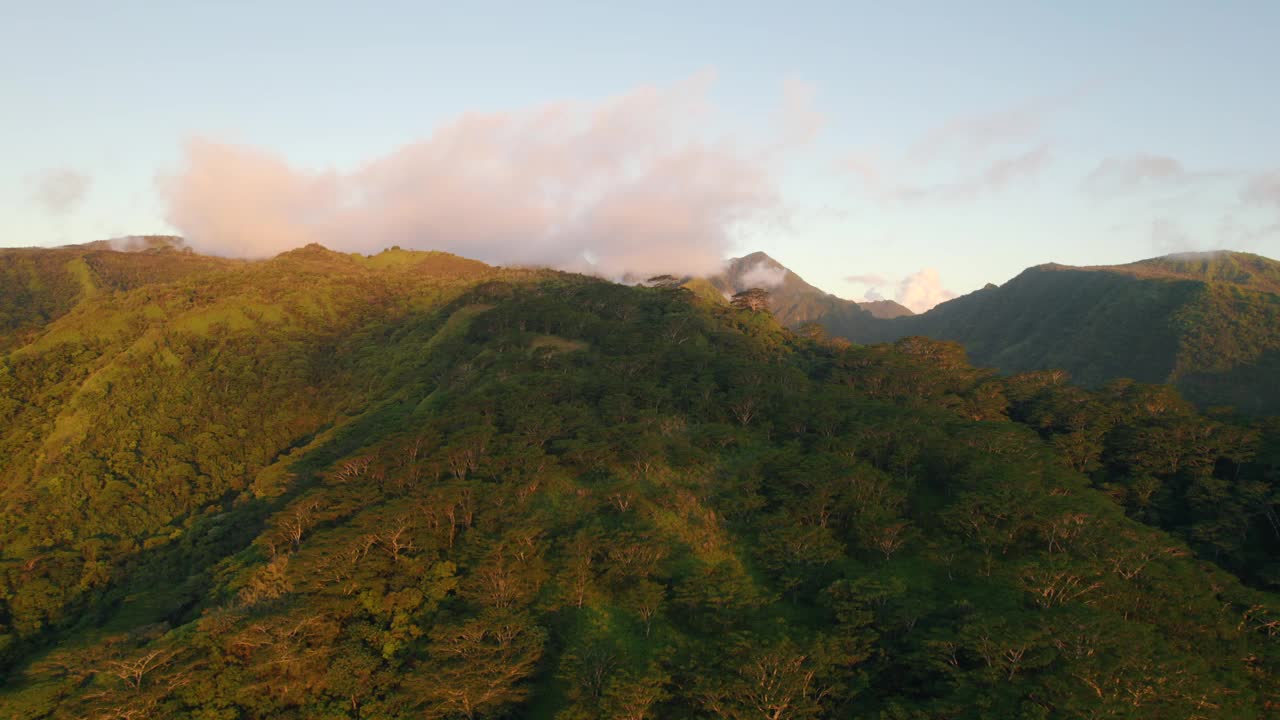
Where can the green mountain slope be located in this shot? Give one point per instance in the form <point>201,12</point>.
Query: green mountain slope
<point>39,285</point>
<point>414,486</point>
<point>1209,324</point>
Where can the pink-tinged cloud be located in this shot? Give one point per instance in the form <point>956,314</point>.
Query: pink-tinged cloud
<point>60,191</point>
<point>631,184</point>
<point>923,290</point>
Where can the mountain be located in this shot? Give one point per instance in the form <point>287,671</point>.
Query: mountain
<point>412,485</point>
<point>795,302</point>
<point>1208,323</point>
<point>885,309</point>
<point>39,285</point>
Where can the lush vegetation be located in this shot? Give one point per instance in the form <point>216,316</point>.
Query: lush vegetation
<point>1207,323</point>
<point>407,486</point>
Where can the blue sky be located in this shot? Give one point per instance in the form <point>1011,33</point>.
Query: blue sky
<point>863,140</point>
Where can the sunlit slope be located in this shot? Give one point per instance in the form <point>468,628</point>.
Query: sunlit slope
<point>39,285</point>
<point>333,486</point>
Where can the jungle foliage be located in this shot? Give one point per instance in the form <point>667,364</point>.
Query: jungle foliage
<point>414,486</point>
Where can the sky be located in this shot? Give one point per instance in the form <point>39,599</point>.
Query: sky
<point>907,150</point>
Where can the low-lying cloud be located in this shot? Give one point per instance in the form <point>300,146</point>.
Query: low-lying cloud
<point>764,275</point>
<point>631,184</point>
<point>60,191</point>
<point>923,290</point>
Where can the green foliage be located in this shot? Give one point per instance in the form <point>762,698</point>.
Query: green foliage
<point>1207,323</point>
<point>326,486</point>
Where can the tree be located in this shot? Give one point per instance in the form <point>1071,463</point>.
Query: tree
<point>664,282</point>
<point>753,299</point>
<point>480,665</point>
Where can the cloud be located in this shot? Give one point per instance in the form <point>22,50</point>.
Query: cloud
<point>870,279</point>
<point>632,183</point>
<point>873,283</point>
<point>1263,190</point>
<point>865,167</point>
<point>763,275</point>
<point>997,176</point>
<point>923,290</point>
<point>963,159</point>
<point>984,131</point>
<point>799,120</point>
<point>1128,173</point>
<point>59,192</point>
<point>1168,237</point>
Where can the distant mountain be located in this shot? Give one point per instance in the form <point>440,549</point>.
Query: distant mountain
<point>795,302</point>
<point>1208,323</point>
<point>885,309</point>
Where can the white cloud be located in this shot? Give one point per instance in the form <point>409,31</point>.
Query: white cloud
<point>922,290</point>
<point>764,275</point>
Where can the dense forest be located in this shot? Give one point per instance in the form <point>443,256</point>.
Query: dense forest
<point>414,486</point>
<point>1207,323</point>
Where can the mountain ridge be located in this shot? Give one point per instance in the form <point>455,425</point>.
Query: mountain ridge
<point>1206,323</point>
<point>411,485</point>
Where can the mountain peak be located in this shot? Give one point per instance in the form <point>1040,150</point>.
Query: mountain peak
<point>756,257</point>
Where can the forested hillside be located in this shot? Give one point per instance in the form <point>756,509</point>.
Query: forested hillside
<point>39,285</point>
<point>414,486</point>
<point>1207,323</point>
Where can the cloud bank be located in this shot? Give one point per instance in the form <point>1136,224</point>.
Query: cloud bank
<point>630,184</point>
